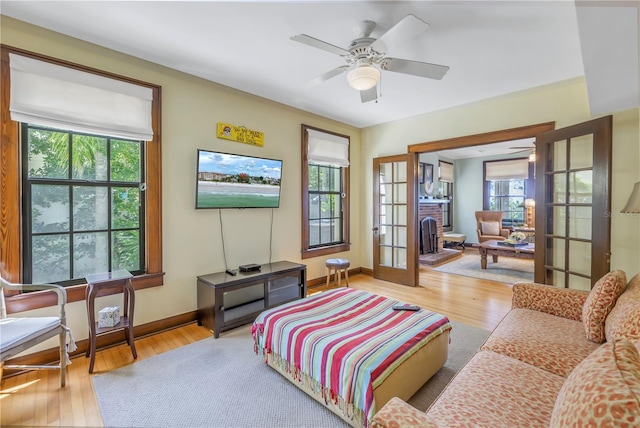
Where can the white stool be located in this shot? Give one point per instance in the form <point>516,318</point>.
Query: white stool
<point>455,238</point>
<point>337,266</point>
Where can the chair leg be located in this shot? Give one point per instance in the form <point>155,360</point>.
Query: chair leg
<point>328,276</point>
<point>63,358</point>
<point>346,277</point>
<point>339,276</point>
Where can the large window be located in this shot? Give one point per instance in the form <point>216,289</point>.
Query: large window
<point>325,192</point>
<point>508,196</point>
<point>507,184</point>
<point>83,211</point>
<point>75,202</point>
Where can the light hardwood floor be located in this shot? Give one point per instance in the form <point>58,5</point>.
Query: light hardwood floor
<point>36,399</point>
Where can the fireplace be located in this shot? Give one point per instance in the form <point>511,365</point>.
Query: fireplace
<point>433,209</point>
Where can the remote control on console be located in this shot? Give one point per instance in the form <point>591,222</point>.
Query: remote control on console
<point>232,272</point>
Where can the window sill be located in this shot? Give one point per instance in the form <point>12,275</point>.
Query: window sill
<point>75,293</point>
<point>317,252</point>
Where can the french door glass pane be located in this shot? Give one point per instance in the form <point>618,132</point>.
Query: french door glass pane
<point>560,188</point>
<point>386,258</point>
<point>400,258</point>
<point>400,215</point>
<point>579,283</point>
<point>559,221</point>
<point>555,257</point>
<point>400,193</point>
<point>559,156</point>
<point>558,279</point>
<point>385,173</point>
<point>580,222</point>
<point>386,192</point>
<point>400,236</point>
<point>400,171</point>
<point>580,257</point>
<point>581,152</point>
<point>580,187</point>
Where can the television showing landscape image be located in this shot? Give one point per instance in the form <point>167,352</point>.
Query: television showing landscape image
<point>226,180</point>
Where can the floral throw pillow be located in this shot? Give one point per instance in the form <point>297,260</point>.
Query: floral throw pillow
<point>624,319</point>
<point>599,303</point>
<point>603,390</point>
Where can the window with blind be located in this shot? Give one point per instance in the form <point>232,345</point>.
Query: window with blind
<point>325,192</point>
<point>507,184</point>
<point>81,174</point>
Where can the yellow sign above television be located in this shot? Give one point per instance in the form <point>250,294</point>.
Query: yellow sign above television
<point>240,134</point>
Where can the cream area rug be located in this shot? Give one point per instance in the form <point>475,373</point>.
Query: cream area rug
<point>508,269</point>
<point>222,383</point>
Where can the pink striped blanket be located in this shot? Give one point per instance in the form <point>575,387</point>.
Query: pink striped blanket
<point>344,343</point>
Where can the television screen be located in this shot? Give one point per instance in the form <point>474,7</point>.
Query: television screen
<point>235,181</point>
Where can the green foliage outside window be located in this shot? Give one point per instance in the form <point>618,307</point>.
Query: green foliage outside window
<point>84,205</point>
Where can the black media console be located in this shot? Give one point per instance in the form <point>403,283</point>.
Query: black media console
<point>228,301</point>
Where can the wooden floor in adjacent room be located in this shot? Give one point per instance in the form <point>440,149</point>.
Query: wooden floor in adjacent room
<point>36,399</point>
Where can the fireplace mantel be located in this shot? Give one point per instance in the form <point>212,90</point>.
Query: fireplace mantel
<point>433,201</point>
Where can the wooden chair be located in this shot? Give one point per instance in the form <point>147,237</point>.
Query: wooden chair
<point>18,334</point>
<point>490,217</point>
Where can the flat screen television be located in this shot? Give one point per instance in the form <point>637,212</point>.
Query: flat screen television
<point>226,180</point>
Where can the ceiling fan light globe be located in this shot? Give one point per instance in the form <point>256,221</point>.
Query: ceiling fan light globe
<point>363,78</point>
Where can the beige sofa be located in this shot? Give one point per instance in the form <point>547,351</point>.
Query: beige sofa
<point>559,358</point>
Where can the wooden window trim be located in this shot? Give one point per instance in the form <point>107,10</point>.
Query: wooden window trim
<point>329,249</point>
<point>11,192</point>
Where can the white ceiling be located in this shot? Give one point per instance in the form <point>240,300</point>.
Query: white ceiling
<point>524,146</point>
<point>492,48</point>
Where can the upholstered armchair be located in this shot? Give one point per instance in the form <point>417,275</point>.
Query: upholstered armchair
<point>489,226</point>
<point>18,334</point>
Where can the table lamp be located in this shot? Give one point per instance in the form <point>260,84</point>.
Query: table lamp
<point>633,204</point>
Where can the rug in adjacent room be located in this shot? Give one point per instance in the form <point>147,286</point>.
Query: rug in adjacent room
<point>507,270</point>
<point>222,383</point>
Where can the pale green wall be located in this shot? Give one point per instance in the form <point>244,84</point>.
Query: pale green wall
<point>563,102</point>
<point>191,107</point>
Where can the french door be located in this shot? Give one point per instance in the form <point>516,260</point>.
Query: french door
<point>573,202</point>
<point>394,225</point>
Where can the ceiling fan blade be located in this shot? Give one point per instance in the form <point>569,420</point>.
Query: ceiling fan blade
<point>311,41</point>
<point>406,29</point>
<point>369,94</point>
<point>326,76</point>
<point>415,68</point>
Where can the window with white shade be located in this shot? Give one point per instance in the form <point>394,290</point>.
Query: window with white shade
<point>507,184</point>
<point>325,192</point>
<point>81,174</point>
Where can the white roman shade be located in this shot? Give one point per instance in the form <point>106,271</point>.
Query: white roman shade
<point>512,169</point>
<point>446,171</point>
<point>327,149</point>
<point>51,95</point>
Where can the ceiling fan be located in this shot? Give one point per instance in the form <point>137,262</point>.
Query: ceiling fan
<point>532,155</point>
<point>365,56</point>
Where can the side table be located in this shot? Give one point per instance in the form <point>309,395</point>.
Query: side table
<point>101,281</point>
